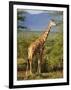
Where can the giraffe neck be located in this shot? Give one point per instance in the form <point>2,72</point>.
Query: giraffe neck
<point>46,33</point>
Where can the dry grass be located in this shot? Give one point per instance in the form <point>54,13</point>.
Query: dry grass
<point>49,75</point>
<point>21,73</point>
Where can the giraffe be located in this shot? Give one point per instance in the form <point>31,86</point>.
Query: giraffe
<point>38,47</point>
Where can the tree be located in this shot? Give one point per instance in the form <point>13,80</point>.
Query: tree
<point>21,18</point>
<point>54,52</point>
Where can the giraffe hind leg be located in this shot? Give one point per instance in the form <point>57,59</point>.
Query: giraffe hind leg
<point>40,60</point>
<point>27,69</point>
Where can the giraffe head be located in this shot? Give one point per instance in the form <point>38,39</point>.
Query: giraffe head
<point>52,23</point>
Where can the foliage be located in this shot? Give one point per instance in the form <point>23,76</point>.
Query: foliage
<point>53,52</point>
<point>20,17</point>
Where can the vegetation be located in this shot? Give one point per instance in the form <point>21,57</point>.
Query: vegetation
<point>53,52</point>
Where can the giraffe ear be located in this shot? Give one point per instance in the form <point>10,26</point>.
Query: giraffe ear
<point>52,20</point>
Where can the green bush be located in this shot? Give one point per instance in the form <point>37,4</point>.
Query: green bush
<point>53,52</point>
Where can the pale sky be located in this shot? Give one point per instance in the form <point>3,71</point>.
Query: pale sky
<point>34,11</point>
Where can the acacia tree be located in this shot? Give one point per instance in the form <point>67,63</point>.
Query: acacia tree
<point>21,18</point>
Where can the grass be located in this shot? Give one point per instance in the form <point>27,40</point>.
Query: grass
<point>21,73</point>
<point>48,75</point>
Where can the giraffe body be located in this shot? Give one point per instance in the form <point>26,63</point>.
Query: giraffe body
<point>38,45</point>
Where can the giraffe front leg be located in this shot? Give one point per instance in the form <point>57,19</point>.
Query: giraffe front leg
<point>39,66</point>
<point>41,55</point>
<point>30,67</point>
<point>41,59</point>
